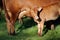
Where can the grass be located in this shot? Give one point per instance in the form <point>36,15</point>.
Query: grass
<point>28,31</point>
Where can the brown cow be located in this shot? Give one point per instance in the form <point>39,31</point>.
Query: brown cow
<point>12,14</point>
<point>51,12</point>
<point>13,8</point>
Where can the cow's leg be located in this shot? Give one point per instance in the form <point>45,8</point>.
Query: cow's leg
<point>10,22</point>
<point>40,28</point>
<point>10,28</point>
<point>34,16</point>
<point>21,15</point>
<point>52,26</point>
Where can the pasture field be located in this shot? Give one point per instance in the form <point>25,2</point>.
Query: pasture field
<point>28,31</point>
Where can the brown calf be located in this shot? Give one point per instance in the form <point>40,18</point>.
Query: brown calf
<point>51,12</point>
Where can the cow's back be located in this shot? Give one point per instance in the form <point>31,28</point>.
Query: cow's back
<point>15,5</point>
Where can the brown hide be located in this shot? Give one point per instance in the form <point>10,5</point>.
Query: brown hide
<point>13,8</point>
<point>51,12</point>
<point>16,5</point>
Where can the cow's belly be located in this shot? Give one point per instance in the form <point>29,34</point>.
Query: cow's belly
<point>51,18</point>
<point>51,15</point>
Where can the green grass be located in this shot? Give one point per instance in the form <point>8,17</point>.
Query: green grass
<point>28,31</point>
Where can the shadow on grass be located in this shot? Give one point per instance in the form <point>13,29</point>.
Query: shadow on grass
<point>27,23</point>
<point>48,24</point>
<point>22,36</point>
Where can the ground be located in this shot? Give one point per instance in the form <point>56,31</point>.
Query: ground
<point>28,31</point>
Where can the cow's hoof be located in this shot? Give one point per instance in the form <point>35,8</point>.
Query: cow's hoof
<point>40,34</point>
<point>52,27</point>
<point>12,33</point>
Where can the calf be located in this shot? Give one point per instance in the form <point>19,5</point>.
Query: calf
<point>51,12</point>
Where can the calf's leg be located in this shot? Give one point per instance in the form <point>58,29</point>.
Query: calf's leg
<point>40,28</point>
<point>52,26</point>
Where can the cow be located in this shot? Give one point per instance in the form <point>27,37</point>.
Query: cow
<point>13,9</point>
<point>51,12</point>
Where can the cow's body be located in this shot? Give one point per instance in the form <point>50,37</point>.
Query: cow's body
<point>13,8</point>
